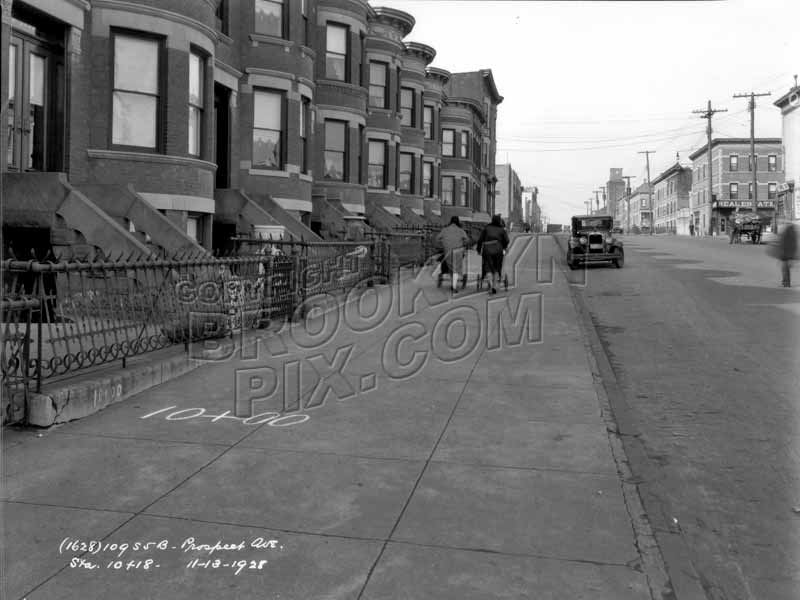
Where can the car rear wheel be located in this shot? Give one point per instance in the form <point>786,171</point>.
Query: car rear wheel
<point>619,258</point>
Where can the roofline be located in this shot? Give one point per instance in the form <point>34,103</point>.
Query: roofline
<point>718,141</point>
<point>405,20</point>
<point>666,173</point>
<point>487,75</point>
<point>785,98</point>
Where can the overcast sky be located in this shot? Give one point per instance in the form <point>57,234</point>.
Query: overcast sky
<point>589,84</point>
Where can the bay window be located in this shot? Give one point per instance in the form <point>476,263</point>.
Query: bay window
<point>406,172</point>
<point>376,167</point>
<point>136,95</point>
<point>464,144</point>
<point>427,122</point>
<point>448,182</point>
<point>407,107</point>
<point>197,65</point>
<point>378,75</point>
<point>336,55</point>
<point>335,150</point>
<point>305,111</point>
<point>268,111</point>
<point>448,142</point>
<point>427,179</point>
<point>270,18</point>
<point>464,192</point>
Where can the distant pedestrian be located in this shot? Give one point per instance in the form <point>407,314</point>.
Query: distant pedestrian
<point>492,245</point>
<point>454,240</point>
<point>787,252</point>
<point>691,229</point>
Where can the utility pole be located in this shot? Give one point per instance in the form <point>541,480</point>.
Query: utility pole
<point>647,154</point>
<point>708,114</point>
<point>597,199</point>
<point>753,160</point>
<point>627,179</point>
<point>605,201</point>
<point>588,204</point>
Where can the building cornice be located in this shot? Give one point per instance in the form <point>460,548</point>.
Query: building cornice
<point>400,20</point>
<point>438,75</point>
<point>162,159</point>
<point>421,51</point>
<point>130,7</point>
<point>725,141</point>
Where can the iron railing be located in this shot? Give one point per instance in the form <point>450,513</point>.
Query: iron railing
<point>61,316</point>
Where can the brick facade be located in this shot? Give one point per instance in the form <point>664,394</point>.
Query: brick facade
<point>731,165</point>
<point>249,59</point>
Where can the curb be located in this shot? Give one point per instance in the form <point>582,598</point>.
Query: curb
<point>84,394</point>
<point>666,557</point>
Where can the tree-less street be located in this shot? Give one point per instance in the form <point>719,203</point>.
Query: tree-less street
<point>701,341</point>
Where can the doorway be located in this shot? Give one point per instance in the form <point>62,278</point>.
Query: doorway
<point>37,95</point>
<point>222,120</point>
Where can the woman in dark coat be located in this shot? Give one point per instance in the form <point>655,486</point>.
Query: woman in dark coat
<point>491,246</point>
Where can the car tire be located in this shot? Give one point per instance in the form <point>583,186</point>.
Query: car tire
<point>619,261</point>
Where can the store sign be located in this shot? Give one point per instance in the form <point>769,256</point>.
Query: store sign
<point>742,204</point>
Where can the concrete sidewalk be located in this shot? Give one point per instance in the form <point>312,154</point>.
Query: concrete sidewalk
<point>437,453</point>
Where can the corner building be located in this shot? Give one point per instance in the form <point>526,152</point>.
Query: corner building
<point>151,126</point>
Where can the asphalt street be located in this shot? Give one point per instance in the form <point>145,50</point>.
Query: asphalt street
<point>702,341</point>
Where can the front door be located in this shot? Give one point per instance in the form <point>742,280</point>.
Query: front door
<point>36,105</point>
<point>222,108</point>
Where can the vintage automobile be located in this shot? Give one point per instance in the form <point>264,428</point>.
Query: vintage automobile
<point>592,240</point>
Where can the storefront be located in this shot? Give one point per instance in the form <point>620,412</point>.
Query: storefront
<point>724,212</point>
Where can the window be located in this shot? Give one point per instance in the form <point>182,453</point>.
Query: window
<point>397,91</point>
<point>376,168</point>
<point>427,179</point>
<point>221,15</point>
<point>733,162</point>
<point>269,17</point>
<point>749,191</point>
<point>772,163</point>
<point>197,65</point>
<point>750,162</point>
<point>464,144</point>
<point>448,142</point>
<point>772,191</point>
<point>485,154</point>
<point>464,192</point>
<point>407,172</point>
<point>427,122</point>
<point>193,227</point>
<point>336,52</point>
<point>267,129</point>
<point>304,12</point>
<point>407,116</point>
<point>704,171</point>
<point>448,182</point>
<point>305,107</point>
<point>360,154</point>
<point>734,191</point>
<point>335,150</point>
<point>377,84</point>
<point>136,94</point>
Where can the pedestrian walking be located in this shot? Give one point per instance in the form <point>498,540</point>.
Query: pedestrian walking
<point>787,252</point>
<point>454,240</point>
<point>691,229</point>
<point>492,245</point>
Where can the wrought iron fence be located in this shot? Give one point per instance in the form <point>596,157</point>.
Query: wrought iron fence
<point>60,316</point>
<point>429,233</point>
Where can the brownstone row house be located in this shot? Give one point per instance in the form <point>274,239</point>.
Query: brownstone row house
<point>141,125</point>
